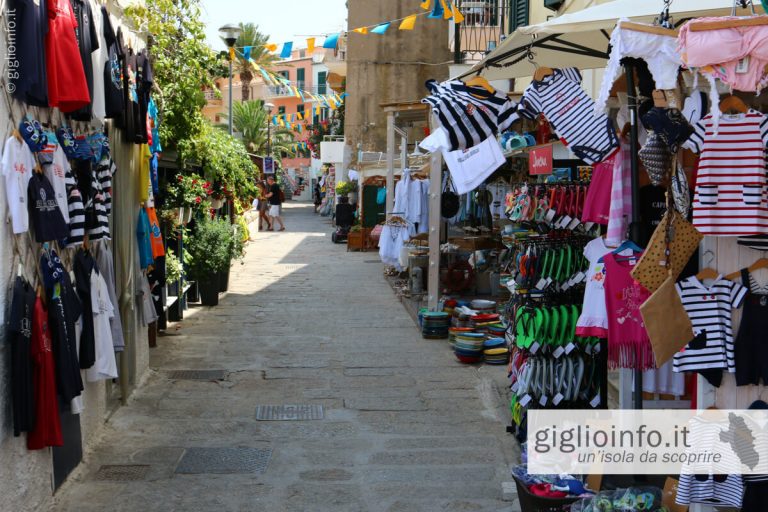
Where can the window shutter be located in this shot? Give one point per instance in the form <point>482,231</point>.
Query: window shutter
<point>519,14</point>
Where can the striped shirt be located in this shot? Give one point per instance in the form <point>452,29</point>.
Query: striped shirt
<point>730,197</point>
<point>571,112</point>
<point>76,212</point>
<point>710,311</point>
<point>469,114</point>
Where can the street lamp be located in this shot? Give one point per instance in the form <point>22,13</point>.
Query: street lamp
<point>230,33</point>
<point>268,107</point>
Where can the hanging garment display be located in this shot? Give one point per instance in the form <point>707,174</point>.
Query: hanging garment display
<point>83,268</point>
<point>47,431</point>
<point>30,84</point>
<point>597,204</point>
<point>114,95</point>
<point>664,381</point>
<point>86,30</point>
<point>99,59</point>
<point>620,212</point>
<point>46,218</point>
<point>17,165</point>
<point>105,366</point>
<point>56,168</point>
<point>570,111</point>
<point>729,198</point>
<point>594,315</point>
<point>144,80</point>
<point>143,236</point>
<point>750,349</point>
<point>67,84</point>
<point>20,339</point>
<point>104,261</point>
<point>469,114</point>
<point>155,235</point>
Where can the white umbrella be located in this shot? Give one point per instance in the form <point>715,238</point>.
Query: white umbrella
<point>580,39</point>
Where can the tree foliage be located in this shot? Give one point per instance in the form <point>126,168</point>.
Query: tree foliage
<point>250,36</point>
<point>250,119</point>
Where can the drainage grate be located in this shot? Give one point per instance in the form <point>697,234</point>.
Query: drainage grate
<point>124,472</point>
<point>289,412</point>
<point>224,460</point>
<point>197,374</point>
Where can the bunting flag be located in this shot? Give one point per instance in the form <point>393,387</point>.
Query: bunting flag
<point>247,53</point>
<point>361,30</point>
<point>380,29</point>
<point>408,23</point>
<point>437,10</point>
<point>447,9</point>
<point>457,16</point>
<point>425,4</point>
<point>271,47</point>
<point>310,45</point>
<point>286,52</point>
<point>331,41</point>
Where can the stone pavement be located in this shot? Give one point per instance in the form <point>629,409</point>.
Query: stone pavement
<point>405,427</point>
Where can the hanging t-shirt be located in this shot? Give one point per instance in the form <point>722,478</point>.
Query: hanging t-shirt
<point>83,268</point>
<point>20,338</point>
<point>594,315</point>
<point>471,167</point>
<point>144,183</point>
<point>62,321</point>
<point>571,112</point>
<point>47,220</point>
<point>56,172</point>
<point>105,263</point>
<point>153,175</point>
<point>730,197</point>
<point>710,310</point>
<point>144,80</point>
<point>155,146</point>
<point>99,59</point>
<point>105,366</point>
<point>114,95</point>
<point>29,83</point>
<point>17,165</point>
<point>87,42</point>
<point>47,431</point>
<point>146,303</point>
<point>155,235</point>
<point>76,212</point>
<point>67,84</point>
<point>143,230</point>
<point>133,123</point>
<point>105,169</point>
<point>469,114</point>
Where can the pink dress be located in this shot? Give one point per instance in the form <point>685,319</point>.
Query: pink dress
<point>628,343</point>
<point>598,201</point>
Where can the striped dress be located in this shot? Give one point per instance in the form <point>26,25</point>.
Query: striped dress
<point>730,197</point>
<point>709,309</point>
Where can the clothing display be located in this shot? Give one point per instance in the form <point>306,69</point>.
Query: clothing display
<point>87,42</point>
<point>104,366</point>
<point>710,311</point>
<point>598,201</point>
<point>83,268</point>
<point>17,165</point>
<point>143,230</point>
<point>47,220</point>
<point>664,380</point>
<point>594,315</point>
<point>620,211</point>
<point>30,85</point>
<point>99,59</point>
<point>56,172</point>
<point>20,338</point>
<point>571,112</point>
<point>750,349</point>
<point>729,197</point>
<point>104,261</point>
<point>67,83</point>
<point>114,95</point>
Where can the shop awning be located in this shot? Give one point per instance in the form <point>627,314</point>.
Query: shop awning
<point>580,39</point>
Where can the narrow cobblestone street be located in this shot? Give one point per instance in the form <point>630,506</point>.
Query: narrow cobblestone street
<point>405,427</point>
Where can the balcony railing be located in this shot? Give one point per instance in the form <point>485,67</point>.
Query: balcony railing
<point>485,23</point>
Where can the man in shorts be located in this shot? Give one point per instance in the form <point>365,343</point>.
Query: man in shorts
<point>273,196</point>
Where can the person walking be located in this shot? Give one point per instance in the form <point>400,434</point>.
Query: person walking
<point>263,207</point>
<point>318,198</point>
<point>274,196</point>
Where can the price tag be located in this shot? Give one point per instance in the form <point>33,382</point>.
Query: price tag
<point>542,284</point>
<point>549,282</point>
<point>565,221</point>
<point>579,278</point>
<point>515,387</point>
<point>570,348</point>
<point>595,401</point>
<point>588,226</point>
<point>596,348</point>
<point>525,400</point>
<point>572,281</point>
<point>742,66</point>
<point>550,216</point>
<point>534,348</point>
<point>543,400</point>
<point>565,286</point>
<point>557,399</point>
<point>588,349</point>
<point>559,351</point>
<point>574,224</point>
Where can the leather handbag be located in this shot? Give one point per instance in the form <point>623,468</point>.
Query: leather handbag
<point>672,244</point>
<point>666,321</point>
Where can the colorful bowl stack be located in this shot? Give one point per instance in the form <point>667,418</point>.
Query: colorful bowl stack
<point>435,325</point>
<point>496,330</point>
<point>469,347</point>
<point>455,331</point>
<point>495,351</point>
<point>483,306</point>
<point>482,322</point>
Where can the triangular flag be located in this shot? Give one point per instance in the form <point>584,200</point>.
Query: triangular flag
<point>298,128</point>
<point>286,52</point>
<point>247,53</point>
<point>300,115</point>
<point>457,16</point>
<point>361,30</point>
<point>271,47</point>
<point>274,120</point>
<point>317,110</point>
<point>331,41</point>
<point>447,10</point>
<point>437,10</point>
<point>425,4</point>
<point>296,92</point>
<point>310,44</point>
<point>408,23</point>
<point>380,29</point>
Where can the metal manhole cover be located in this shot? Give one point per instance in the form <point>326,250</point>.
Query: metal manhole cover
<point>289,412</point>
<point>224,460</point>
<point>197,374</point>
<point>123,472</point>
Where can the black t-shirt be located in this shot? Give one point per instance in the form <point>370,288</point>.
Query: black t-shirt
<point>31,20</point>
<point>83,266</point>
<point>132,123</point>
<point>88,42</point>
<point>20,336</point>
<point>47,220</point>
<point>274,199</point>
<point>144,80</point>
<point>114,99</point>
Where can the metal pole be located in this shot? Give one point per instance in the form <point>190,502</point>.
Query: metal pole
<point>435,191</point>
<point>390,161</point>
<point>635,230</point>
<point>230,94</point>
<point>269,137</point>
<point>457,39</point>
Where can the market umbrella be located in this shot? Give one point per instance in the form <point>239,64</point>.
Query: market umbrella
<point>580,39</point>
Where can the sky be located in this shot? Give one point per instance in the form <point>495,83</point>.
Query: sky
<point>282,20</point>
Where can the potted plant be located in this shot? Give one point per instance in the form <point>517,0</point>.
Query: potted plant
<point>236,252</point>
<point>210,249</point>
<point>344,188</point>
<point>189,193</point>
<point>218,194</point>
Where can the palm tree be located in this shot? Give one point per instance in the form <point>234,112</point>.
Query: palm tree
<point>250,36</point>
<point>250,120</point>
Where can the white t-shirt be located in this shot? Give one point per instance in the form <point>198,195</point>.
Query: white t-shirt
<point>99,58</point>
<point>594,316</point>
<point>56,173</point>
<point>17,165</point>
<point>471,167</point>
<point>105,366</point>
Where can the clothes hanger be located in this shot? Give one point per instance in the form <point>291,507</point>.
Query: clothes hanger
<point>648,29</point>
<point>733,103</point>
<point>625,245</point>
<point>541,73</point>
<point>707,273</point>
<point>759,264</point>
<point>480,81</point>
<point>753,21</point>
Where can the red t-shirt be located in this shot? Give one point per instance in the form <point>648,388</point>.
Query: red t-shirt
<point>47,431</point>
<point>67,85</point>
